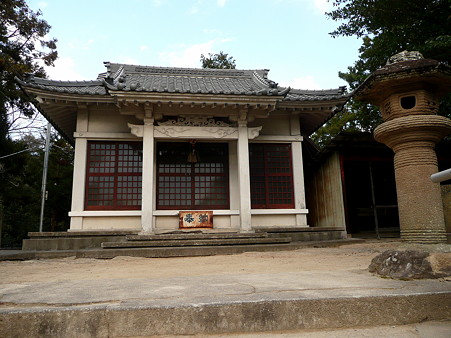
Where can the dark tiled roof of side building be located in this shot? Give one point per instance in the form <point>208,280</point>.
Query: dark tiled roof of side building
<point>122,77</point>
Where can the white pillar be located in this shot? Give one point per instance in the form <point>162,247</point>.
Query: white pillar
<point>298,171</point>
<point>298,182</point>
<point>244,177</point>
<point>79,177</point>
<point>147,223</point>
<point>79,182</point>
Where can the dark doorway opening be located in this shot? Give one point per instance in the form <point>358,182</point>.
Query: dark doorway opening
<point>370,198</point>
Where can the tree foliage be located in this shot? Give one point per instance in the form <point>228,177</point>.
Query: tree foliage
<point>389,27</point>
<point>21,180</point>
<point>386,28</point>
<point>220,60</point>
<point>342,120</point>
<point>25,48</point>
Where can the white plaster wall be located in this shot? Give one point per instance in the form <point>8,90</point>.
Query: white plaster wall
<point>114,222</point>
<point>221,222</point>
<point>274,220</point>
<point>167,222</point>
<point>279,126</point>
<point>110,122</point>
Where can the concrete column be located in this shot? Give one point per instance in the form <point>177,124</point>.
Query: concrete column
<point>298,170</point>
<point>80,157</point>
<point>147,222</point>
<point>413,139</point>
<point>79,182</point>
<point>244,177</point>
<point>298,182</point>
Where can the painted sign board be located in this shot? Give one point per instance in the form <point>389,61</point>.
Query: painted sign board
<point>196,219</point>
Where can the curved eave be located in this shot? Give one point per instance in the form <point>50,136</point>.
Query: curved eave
<point>60,109</point>
<point>313,114</point>
<point>66,97</point>
<point>187,98</point>
<point>325,102</point>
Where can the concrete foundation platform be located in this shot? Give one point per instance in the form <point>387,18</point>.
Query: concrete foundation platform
<point>217,304</point>
<point>83,240</point>
<point>160,252</point>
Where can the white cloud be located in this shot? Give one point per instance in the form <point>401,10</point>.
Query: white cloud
<point>87,45</point>
<point>225,40</point>
<point>303,82</point>
<point>144,48</point>
<point>84,45</point>
<point>64,69</point>
<point>158,3</point>
<point>320,6</point>
<point>221,3</point>
<point>194,10</point>
<point>211,31</point>
<point>127,60</point>
<point>43,4</point>
<point>187,56</point>
<point>196,7</point>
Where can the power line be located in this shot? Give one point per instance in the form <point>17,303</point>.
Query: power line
<point>18,152</point>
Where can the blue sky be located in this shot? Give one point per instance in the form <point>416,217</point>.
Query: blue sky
<point>289,37</point>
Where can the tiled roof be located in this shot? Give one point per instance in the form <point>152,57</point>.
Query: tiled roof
<point>121,77</point>
<point>189,80</point>
<point>315,95</point>
<point>95,87</point>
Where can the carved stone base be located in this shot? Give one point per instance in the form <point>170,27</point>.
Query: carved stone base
<point>424,236</point>
<point>420,207</point>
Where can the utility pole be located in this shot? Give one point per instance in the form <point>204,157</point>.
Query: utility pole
<point>44,175</point>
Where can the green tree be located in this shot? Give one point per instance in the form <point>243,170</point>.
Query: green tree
<point>59,184</point>
<point>20,191</point>
<point>387,27</point>
<point>24,49</point>
<point>21,177</point>
<point>220,60</point>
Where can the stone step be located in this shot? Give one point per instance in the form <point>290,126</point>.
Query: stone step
<point>67,243</point>
<point>72,240</point>
<point>160,252</point>
<point>295,229</point>
<point>86,233</point>
<point>186,236</point>
<point>81,240</point>
<point>304,234</point>
<point>195,242</point>
<point>256,313</point>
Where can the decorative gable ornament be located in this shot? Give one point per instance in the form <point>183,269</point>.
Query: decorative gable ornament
<point>195,121</point>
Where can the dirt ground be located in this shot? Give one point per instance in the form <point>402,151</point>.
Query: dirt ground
<point>347,257</point>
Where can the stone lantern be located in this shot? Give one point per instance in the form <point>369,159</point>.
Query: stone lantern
<point>408,90</point>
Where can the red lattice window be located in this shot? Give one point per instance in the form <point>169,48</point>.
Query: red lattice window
<point>192,176</point>
<point>114,175</point>
<point>271,176</point>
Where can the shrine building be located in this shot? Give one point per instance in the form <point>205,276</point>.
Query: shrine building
<point>157,146</point>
